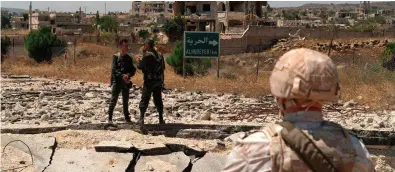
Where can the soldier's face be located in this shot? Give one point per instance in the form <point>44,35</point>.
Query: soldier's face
<point>124,46</point>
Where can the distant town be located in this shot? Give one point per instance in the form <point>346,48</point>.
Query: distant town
<point>226,17</point>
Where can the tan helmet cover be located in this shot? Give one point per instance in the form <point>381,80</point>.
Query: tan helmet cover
<point>305,74</point>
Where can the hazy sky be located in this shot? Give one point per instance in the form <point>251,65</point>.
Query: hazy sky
<point>93,6</point>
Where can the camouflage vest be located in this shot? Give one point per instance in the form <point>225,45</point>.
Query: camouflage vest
<point>157,70</point>
<point>331,138</point>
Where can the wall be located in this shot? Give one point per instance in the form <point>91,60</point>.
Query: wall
<point>257,37</point>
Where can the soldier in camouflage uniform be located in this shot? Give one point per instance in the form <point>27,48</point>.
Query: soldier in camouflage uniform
<point>122,71</point>
<point>152,65</point>
<point>302,81</point>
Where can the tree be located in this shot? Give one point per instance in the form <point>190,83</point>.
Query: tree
<point>389,53</point>
<point>109,24</point>
<point>304,13</point>
<point>40,44</point>
<point>291,15</point>
<point>174,29</point>
<point>5,21</point>
<point>97,19</point>
<point>331,13</point>
<point>5,43</point>
<point>192,66</point>
<point>25,16</point>
<point>269,9</point>
<point>143,34</point>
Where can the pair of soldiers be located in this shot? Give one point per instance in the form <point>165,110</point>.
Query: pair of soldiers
<point>152,65</point>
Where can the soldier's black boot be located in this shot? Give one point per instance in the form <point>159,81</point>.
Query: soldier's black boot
<point>127,118</point>
<point>109,118</point>
<point>161,121</point>
<point>141,120</point>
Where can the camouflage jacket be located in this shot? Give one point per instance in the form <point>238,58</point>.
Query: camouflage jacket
<point>264,150</point>
<point>152,65</point>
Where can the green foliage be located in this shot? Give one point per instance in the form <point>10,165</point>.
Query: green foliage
<point>192,66</point>
<point>304,13</point>
<point>97,19</point>
<point>155,38</point>
<point>143,34</point>
<point>291,15</point>
<point>389,51</point>
<point>378,20</point>
<point>174,29</point>
<point>108,23</point>
<point>108,38</point>
<point>25,16</point>
<point>331,13</point>
<point>5,21</point>
<point>5,43</point>
<point>40,44</point>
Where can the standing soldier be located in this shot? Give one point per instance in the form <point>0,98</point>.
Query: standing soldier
<point>302,80</point>
<point>122,71</point>
<point>152,65</point>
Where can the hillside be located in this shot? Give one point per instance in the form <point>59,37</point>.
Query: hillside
<point>390,5</point>
<point>12,10</point>
<point>381,5</point>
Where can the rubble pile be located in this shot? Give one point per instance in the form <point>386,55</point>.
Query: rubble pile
<point>46,102</point>
<point>337,45</point>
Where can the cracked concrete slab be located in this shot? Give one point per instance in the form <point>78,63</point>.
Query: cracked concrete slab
<point>151,148</point>
<point>173,162</point>
<point>211,162</point>
<point>40,147</point>
<point>66,160</point>
<point>114,146</point>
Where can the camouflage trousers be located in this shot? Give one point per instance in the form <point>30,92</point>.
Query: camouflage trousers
<point>115,90</point>
<point>153,87</point>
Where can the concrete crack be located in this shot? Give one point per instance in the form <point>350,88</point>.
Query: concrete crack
<point>133,162</point>
<point>53,147</point>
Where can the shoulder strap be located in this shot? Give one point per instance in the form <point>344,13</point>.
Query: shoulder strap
<point>117,55</point>
<point>306,149</point>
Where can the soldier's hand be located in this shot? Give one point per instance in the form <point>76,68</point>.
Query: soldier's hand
<point>125,77</point>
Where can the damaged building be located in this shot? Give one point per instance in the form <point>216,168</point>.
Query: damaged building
<point>199,15</point>
<point>219,16</point>
<point>235,16</point>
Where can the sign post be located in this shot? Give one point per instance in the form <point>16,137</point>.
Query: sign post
<point>201,45</point>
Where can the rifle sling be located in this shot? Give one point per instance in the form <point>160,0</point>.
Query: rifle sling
<point>306,149</point>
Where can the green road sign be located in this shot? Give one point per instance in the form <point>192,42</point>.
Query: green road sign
<point>201,44</point>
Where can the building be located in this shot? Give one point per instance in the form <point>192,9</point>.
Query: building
<point>293,23</point>
<point>151,8</point>
<point>199,15</point>
<point>235,16</point>
<point>18,22</point>
<point>61,23</point>
<point>39,19</point>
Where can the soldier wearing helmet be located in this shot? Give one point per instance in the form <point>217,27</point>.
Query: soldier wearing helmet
<point>302,81</point>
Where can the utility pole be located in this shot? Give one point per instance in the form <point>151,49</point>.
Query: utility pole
<point>80,17</point>
<point>105,8</point>
<point>30,16</point>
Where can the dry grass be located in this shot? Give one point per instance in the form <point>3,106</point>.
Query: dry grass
<point>377,87</point>
<point>14,32</point>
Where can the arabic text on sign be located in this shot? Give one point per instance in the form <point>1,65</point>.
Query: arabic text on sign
<point>201,51</point>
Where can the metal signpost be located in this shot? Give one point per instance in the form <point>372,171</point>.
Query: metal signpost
<point>201,45</point>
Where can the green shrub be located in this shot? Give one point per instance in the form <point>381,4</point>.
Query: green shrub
<point>192,66</point>
<point>388,56</point>
<point>143,34</point>
<point>5,43</point>
<point>40,44</point>
<point>108,38</point>
<point>174,28</point>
